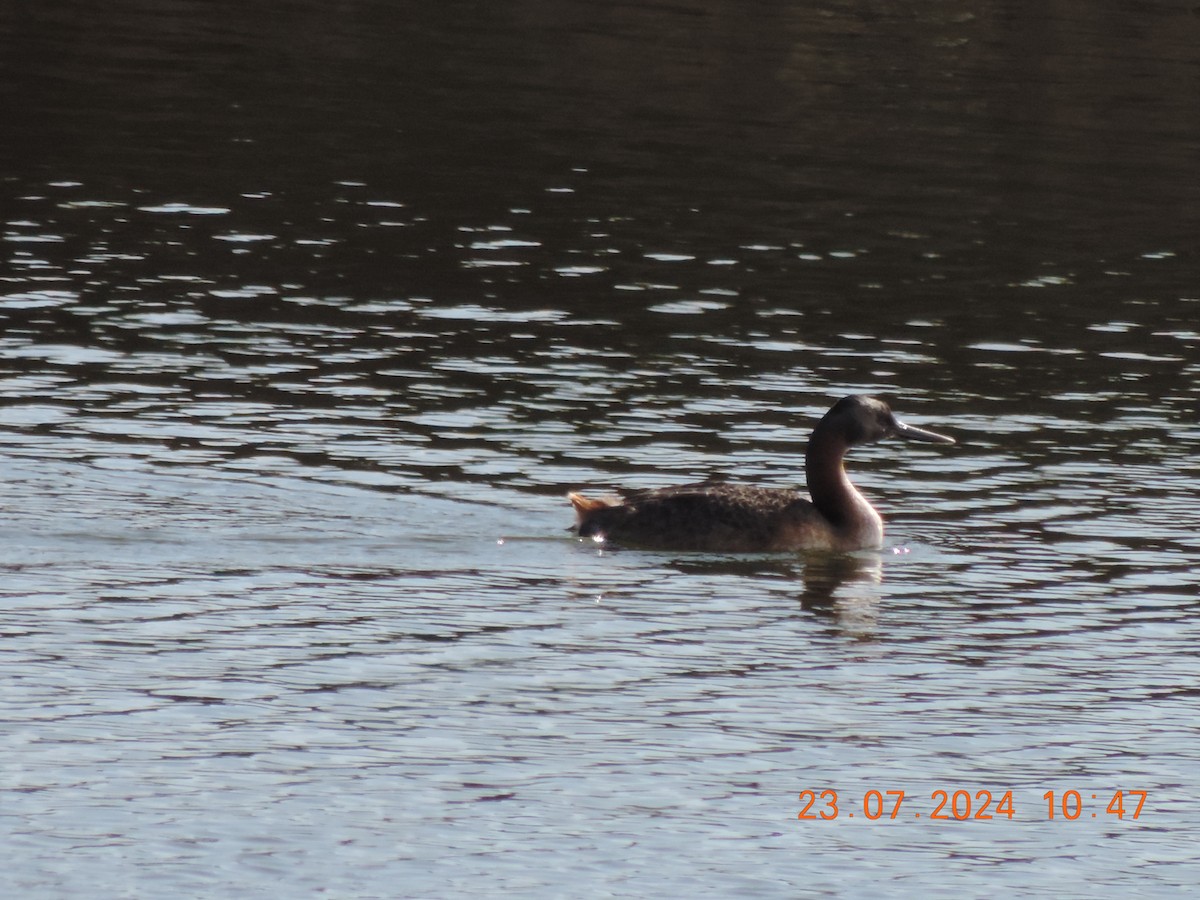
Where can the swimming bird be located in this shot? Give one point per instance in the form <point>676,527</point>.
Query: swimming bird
<point>733,518</point>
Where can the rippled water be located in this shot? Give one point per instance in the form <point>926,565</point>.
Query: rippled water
<point>309,324</point>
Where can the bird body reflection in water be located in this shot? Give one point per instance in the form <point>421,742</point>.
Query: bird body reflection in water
<point>730,518</point>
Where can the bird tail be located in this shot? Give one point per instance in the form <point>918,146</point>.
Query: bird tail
<point>585,506</point>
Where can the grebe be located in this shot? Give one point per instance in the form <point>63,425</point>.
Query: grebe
<point>732,518</point>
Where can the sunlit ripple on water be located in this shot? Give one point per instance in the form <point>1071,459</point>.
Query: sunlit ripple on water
<point>286,575</point>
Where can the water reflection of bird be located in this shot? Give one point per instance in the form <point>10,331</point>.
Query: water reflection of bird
<point>722,517</point>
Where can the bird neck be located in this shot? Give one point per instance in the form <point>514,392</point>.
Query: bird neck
<point>834,496</point>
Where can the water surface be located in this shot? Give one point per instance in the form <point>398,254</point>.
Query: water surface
<point>310,319</point>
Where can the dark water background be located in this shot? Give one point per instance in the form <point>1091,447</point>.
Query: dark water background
<point>313,311</point>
